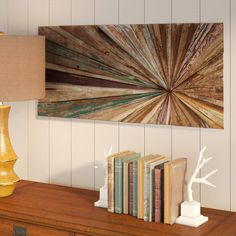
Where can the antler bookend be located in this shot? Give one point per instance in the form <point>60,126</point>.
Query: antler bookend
<point>190,209</point>
<point>103,198</point>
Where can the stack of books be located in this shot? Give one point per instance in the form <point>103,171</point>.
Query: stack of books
<point>149,188</point>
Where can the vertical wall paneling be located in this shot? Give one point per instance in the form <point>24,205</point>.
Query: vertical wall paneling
<point>82,130</point>
<point>83,12</point>
<point>185,141</point>
<point>233,107</point>
<point>106,12</point>
<point>83,154</point>
<point>38,135</point>
<point>60,129</point>
<point>157,11</point>
<point>157,137</point>
<point>18,120</point>
<point>66,151</point>
<point>131,135</point>
<point>218,141</point>
<point>131,11</point>
<point>106,133</point>
<point>3,16</point>
<point>60,12</point>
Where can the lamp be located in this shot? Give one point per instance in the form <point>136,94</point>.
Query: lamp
<point>22,77</point>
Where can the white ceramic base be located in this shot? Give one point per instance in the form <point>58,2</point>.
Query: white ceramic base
<point>191,214</point>
<point>194,222</point>
<point>101,203</point>
<point>103,199</point>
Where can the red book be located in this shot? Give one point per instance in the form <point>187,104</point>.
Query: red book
<point>158,194</point>
<point>130,179</point>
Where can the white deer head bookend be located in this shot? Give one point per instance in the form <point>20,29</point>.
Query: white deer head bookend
<point>190,209</point>
<point>103,198</point>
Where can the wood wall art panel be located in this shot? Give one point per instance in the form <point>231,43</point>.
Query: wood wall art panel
<point>169,74</point>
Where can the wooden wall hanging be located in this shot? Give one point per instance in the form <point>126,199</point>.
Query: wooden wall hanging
<point>169,74</point>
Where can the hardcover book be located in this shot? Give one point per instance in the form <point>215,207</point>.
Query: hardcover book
<point>158,203</point>
<point>130,195</point>
<point>126,184</point>
<point>111,189</point>
<point>119,180</point>
<point>174,179</point>
<point>141,161</point>
<point>135,188</point>
<point>153,165</point>
<point>156,160</point>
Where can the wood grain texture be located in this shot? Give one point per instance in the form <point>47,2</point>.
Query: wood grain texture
<point>185,141</point>
<point>157,74</point>
<point>83,153</point>
<point>72,210</point>
<point>105,11</point>
<point>158,138</point>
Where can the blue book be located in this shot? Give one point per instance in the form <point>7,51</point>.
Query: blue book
<point>119,180</point>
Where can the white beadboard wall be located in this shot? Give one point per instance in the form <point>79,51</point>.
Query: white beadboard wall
<point>65,151</point>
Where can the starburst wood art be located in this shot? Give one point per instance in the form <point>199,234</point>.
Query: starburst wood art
<point>169,74</point>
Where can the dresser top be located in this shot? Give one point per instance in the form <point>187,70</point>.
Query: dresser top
<point>72,209</point>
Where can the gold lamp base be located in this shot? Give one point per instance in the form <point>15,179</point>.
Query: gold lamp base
<point>8,177</point>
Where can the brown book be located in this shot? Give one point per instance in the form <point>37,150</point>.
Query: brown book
<point>174,179</point>
<point>130,179</point>
<point>159,194</point>
<point>110,166</point>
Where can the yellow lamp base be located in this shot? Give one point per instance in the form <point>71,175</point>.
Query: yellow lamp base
<point>7,190</point>
<point>8,177</point>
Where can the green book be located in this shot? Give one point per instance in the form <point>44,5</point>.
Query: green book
<point>119,180</point>
<point>135,187</point>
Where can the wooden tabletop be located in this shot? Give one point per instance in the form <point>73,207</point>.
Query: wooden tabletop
<point>73,209</point>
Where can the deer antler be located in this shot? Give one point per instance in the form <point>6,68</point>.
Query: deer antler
<point>201,162</point>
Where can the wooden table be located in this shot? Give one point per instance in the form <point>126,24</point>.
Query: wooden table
<point>37,209</point>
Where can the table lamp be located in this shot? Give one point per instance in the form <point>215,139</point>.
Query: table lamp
<point>22,77</point>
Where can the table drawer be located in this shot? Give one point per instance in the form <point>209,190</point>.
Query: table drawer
<point>12,228</point>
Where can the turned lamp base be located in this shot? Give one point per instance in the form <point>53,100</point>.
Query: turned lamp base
<point>8,177</point>
<point>191,215</point>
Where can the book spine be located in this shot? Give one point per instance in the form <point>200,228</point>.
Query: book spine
<point>130,179</point>
<point>125,188</point>
<point>167,194</point>
<point>140,195</point>
<point>110,166</point>
<point>118,186</point>
<point>157,193</point>
<point>135,188</point>
<point>152,197</point>
<point>146,192</point>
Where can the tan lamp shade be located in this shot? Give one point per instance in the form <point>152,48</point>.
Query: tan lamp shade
<point>22,67</point>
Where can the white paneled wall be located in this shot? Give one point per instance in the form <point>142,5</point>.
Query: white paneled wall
<point>65,151</point>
